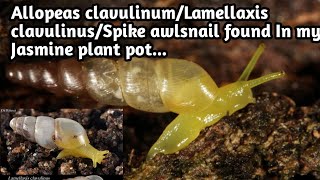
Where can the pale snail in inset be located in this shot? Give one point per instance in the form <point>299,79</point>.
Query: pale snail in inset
<point>91,177</point>
<point>174,85</point>
<point>62,133</point>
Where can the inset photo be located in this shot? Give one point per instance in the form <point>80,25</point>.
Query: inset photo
<point>78,142</point>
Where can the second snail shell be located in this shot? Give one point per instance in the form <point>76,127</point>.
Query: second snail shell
<point>63,133</point>
<point>50,133</point>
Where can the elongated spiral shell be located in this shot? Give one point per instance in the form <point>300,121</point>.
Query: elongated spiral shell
<point>164,85</point>
<point>145,84</point>
<point>50,133</point>
<point>61,78</point>
<point>63,133</point>
<point>91,177</point>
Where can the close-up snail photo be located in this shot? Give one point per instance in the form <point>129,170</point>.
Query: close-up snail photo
<point>64,142</point>
<point>64,133</point>
<point>229,89</point>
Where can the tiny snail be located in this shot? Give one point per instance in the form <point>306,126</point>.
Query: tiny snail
<point>91,177</point>
<point>174,85</point>
<point>63,133</point>
<point>215,103</point>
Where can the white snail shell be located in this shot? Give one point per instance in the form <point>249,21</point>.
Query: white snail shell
<point>48,132</point>
<point>91,177</point>
<point>63,133</point>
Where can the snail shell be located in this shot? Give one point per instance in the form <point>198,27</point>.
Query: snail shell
<point>63,133</point>
<point>150,85</point>
<point>50,133</point>
<point>91,177</point>
<point>144,84</point>
<point>61,78</point>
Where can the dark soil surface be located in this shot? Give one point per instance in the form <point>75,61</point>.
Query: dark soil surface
<point>270,139</point>
<point>22,157</point>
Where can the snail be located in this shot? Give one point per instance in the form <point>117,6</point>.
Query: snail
<point>220,102</point>
<point>63,133</point>
<point>175,85</point>
<point>91,177</point>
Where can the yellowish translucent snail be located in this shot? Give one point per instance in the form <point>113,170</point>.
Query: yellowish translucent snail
<point>66,134</point>
<point>164,85</point>
<point>200,103</point>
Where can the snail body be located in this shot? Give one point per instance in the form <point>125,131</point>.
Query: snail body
<point>166,85</point>
<point>60,133</point>
<point>226,100</point>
